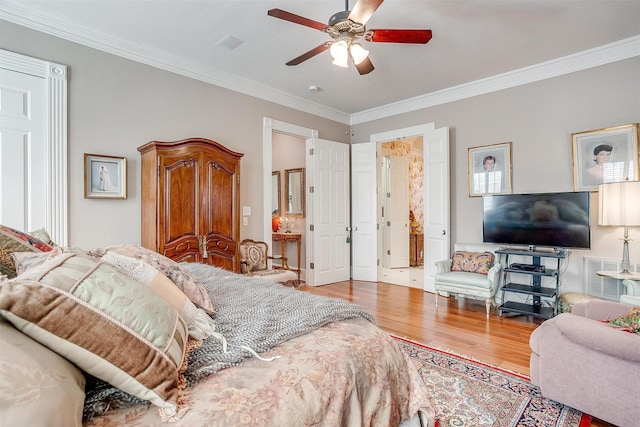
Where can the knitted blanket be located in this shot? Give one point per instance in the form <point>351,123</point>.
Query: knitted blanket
<point>251,314</point>
<point>257,314</point>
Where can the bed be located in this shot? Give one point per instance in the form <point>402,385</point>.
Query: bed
<point>278,356</point>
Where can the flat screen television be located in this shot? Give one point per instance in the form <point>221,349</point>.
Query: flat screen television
<point>555,220</point>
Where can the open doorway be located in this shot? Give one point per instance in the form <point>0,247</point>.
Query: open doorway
<point>288,160</point>
<point>402,207</point>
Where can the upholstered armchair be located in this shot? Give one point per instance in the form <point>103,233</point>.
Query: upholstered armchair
<point>256,261</point>
<point>580,360</point>
<point>472,271</point>
<point>631,294</point>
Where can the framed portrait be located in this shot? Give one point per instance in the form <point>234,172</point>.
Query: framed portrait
<point>105,177</point>
<point>604,155</point>
<point>490,169</point>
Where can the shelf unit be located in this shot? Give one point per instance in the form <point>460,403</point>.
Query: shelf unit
<point>535,289</point>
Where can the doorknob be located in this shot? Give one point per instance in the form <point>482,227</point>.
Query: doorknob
<point>348,228</point>
<point>444,232</point>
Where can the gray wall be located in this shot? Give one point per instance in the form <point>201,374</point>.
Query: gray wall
<point>538,118</point>
<point>117,105</point>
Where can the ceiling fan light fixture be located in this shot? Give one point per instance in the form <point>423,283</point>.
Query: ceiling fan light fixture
<point>339,52</point>
<point>358,53</point>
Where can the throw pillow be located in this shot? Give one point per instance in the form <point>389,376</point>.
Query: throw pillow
<point>200,325</point>
<point>473,262</point>
<point>11,241</point>
<point>37,386</point>
<point>105,323</point>
<point>25,260</point>
<point>184,279</point>
<point>42,234</point>
<point>629,322</point>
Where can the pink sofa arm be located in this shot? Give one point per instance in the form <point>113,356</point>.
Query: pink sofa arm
<point>599,336</point>
<point>600,309</point>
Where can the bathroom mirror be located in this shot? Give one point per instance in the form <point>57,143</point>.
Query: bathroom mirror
<point>294,192</point>
<point>276,208</point>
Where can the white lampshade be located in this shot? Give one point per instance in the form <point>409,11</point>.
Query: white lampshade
<point>358,53</point>
<point>340,53</point>
<point>619,204</point>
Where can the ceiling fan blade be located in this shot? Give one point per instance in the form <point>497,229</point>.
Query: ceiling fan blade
<point>365,67</point>
<point>296,19</point>
<point>398,36</point>
<point>313,52</point>
<point>363,10</point>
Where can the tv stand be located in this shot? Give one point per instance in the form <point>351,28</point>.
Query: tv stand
<point>538,272</point>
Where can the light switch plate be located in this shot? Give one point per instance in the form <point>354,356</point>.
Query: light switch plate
<point>246,211</point>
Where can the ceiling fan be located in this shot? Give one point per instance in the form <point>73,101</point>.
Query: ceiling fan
<point>346,28</point>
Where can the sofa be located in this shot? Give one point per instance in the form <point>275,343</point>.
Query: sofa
<point>581,360</point>
<point>473,270</point>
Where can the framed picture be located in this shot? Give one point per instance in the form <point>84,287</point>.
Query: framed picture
<point>105,177</point>
<point>604,155</point>
<point>490,169</point>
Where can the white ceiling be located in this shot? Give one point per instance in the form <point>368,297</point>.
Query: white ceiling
<point>473,40</point>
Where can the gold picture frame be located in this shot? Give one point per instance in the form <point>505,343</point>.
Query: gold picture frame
<point>604,155</point>
<point>105,177</point>
<point>490,170</point>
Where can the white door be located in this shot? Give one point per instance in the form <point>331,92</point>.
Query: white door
<point>23,150</point>
<point>437,202</point>
<point>328,254</point>
<point>363,212</point>
<point>398,207</point>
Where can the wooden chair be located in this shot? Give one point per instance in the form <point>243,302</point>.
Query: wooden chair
<point>256,261</point>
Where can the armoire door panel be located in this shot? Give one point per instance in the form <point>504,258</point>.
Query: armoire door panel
<point>183,249</point>
<point>179,194</point>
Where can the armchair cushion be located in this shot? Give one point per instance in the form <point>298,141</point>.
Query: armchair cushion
<point>472,262</point>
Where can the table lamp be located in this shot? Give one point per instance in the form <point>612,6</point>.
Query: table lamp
<point>620,207</point>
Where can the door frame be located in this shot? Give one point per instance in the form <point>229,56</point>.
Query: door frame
<point>424,130</point>
<point>269,126</point>
<point>57,203</point>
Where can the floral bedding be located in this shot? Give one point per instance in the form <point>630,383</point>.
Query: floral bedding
<point>343,374</point>
<point>321,361</point>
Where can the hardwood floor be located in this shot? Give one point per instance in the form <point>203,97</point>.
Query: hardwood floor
<point>459,325</point>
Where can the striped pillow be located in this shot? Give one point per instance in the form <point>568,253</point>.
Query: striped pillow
<point>106,323</point>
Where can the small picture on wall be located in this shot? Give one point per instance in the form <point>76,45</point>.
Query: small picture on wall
<point>105,177</point>
<point>605,155</point>
<point>490,169</point>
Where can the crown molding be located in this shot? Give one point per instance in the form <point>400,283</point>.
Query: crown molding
<point>601,55</point>
<point>31,18</point>
<point>22,15</point>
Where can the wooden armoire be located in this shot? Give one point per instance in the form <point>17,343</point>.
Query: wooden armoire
<point>191,201</point>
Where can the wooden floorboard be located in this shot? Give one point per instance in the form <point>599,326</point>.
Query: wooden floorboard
<point>457,325</point>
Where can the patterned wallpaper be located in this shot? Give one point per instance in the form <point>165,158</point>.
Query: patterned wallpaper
<point>416,174</point>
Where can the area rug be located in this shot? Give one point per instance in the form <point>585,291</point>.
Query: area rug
<point>472,393</point>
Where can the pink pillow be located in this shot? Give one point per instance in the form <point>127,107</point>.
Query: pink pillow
<point>472,262</point>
